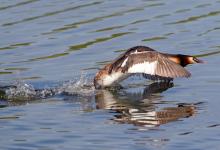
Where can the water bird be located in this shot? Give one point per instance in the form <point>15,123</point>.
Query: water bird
<point>144,60</point>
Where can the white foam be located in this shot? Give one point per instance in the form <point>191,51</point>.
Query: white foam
<point>82,85</point>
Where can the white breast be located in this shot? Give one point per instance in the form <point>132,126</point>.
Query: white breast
<point>114,78</point>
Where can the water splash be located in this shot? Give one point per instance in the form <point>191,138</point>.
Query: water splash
<point>80,86</point>
<point>20,91</point>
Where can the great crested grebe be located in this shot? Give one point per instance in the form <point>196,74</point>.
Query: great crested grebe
<point>147,61</point>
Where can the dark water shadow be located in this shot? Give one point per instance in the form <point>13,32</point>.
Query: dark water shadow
<point>18,4</point>
<point>143,107</point>
<point>94,19</point>
<point>50,13</point>
<point>195,18</point>
<point>208,54</point>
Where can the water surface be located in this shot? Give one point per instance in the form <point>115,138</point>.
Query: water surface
<point>50,51</point>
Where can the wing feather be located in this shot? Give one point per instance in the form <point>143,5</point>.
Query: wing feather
<point>170,69</point>
<point>120,62</point>
<point>153,63</point>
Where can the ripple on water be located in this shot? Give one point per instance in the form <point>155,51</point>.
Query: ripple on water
<point>46,44</point>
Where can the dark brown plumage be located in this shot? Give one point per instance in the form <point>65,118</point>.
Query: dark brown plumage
<point>147,61</point>
<point>118,61</point>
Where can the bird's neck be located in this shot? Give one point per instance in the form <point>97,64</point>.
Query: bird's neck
<point>179,59</point>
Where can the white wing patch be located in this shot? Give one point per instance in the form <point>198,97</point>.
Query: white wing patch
<point>136,52</point>
<point>145,67</point>
<point>124,63</point>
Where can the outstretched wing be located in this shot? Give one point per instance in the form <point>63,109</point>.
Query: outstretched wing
<point>150,63</point>
<point>118,62</point>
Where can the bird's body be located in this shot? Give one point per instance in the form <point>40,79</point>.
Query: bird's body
<point>144,60</point>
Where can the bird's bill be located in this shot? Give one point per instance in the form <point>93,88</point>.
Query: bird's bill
<point>199,60</point>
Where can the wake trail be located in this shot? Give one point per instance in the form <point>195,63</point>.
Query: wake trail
<point>82,85</point>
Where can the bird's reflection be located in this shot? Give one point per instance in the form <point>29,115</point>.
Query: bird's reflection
<point>142,107</point>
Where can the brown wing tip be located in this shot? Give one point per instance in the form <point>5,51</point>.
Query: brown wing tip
<point>186,74</point>
<point>189,75</point>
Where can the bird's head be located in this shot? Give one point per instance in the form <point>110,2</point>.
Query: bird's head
<point>100,77</point>
<point>184,60</point>
<point>194,60</point>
